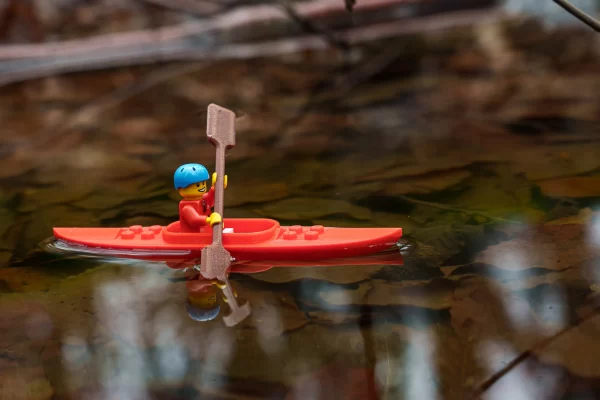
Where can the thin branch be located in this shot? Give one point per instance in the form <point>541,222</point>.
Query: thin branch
<point>538,347</point>
<point>444,207</point>
<point>314,27</point>
<point>236,18</point>
<point>201,8</point>
<point>586,19</point>
<point>185,50</point>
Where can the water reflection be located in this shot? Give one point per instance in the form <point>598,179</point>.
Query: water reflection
<point>202,302</point>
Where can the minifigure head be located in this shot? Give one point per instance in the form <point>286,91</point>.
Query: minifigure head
<point>191,181</point>
<point>203,306</point>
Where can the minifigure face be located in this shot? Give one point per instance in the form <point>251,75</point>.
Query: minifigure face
<point>193,191</point>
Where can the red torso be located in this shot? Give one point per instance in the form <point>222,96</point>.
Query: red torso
<point>193,213</point>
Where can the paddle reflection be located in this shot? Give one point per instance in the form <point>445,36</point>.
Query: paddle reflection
<point>205,295</point>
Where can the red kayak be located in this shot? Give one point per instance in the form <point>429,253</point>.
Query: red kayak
<point>245,238</point>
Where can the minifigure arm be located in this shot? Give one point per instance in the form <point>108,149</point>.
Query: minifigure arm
<point>192,217</point>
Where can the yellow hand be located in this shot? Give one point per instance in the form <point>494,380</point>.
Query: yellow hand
<point>218,284</point>
<point>215,218</point>
<point>234,295</point>
<point>214,180</point>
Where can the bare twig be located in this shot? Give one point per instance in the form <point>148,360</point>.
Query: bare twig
<point>100,57</point>
<point>539,346</point>
<point>196,7</point>
<point>586,19</point>
<point>342,85</point>
<point>314,27</point>
<point>457,210</point>
<point>242,16</point>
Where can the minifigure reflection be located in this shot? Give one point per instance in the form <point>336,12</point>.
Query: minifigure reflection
<point>202,303</point>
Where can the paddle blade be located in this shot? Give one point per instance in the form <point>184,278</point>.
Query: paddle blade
<point>220,126</point>
<point>237,315</point>
<point>215,261</point>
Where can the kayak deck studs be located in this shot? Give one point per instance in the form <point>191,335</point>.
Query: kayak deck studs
<point>127,234</point>
<point>296,228</point>
<point>289,235</point>
<point>311,235</point>
<point>136,228</point>
<point>317,228</point>
<point>147,234</point>
<point>156,228</point>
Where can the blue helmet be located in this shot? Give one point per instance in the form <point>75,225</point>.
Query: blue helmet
<point>202,314</point>
<point>187,174</point>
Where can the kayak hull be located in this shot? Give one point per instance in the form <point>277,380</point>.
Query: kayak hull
<point>245,238</point>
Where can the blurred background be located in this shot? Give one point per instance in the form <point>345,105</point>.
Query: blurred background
<point>472,124</point>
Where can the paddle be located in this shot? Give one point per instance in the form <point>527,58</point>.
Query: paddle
<point>215,259</point>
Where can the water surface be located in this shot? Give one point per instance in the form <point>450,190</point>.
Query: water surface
<point>482,145</point>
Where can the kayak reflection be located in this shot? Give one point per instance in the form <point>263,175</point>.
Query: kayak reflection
<point>202,303</point>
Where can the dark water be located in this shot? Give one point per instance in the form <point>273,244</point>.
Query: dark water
<point>482,145</point>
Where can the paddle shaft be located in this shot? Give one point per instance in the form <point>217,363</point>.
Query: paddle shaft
<point>215,260</point>
<point>219,189</point>
<point>238,313</point>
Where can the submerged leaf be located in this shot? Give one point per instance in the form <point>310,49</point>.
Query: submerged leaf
<point>553,247</point>
<point>4,257</point>
<point>497,188</point>
<point>431,295</point>
<point>573,349</point>
<point>425,171</point>
<point>583,217</point>
<point>42,221</point>
<point>337,274</point>
<point>429,183</point>
<point>93,164</point>
<point>254,192</point>
<point>554,162</point>
<point>6,220</point>
<point>574,187</point>
<point>162,208</point>
<point>29,383</point>
<point>336,381</point>
<point>34,198</point>
<point>308,208</point>
<point>27,279</point>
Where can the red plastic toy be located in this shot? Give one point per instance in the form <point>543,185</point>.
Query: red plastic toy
<point>245,239</point>
<point>250,239</point>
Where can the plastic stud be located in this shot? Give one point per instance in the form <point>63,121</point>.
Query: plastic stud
<point>136,228</point>
<point>289,235</point>
<point>311,235</point>
<point>146,235</point>
<point>127,234</point>
<point>317,228</point>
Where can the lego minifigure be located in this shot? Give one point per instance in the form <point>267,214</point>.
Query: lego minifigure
<point>195,210</point>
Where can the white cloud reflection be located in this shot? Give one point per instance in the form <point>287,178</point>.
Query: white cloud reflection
<point>144,339</point>
<point>171,353</point>
<point>122,366</point>
<point>419,366</point>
